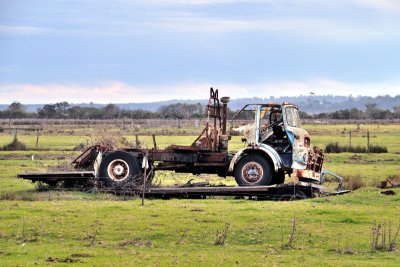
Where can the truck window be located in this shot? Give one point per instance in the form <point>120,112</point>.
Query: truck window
<point>265,116</point>
<point>292,117</point>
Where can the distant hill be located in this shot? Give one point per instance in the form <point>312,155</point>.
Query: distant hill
<point>309,104</point>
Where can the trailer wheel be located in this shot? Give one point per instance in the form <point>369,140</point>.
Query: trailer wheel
<point>253,170</point>
<point>118,169</point>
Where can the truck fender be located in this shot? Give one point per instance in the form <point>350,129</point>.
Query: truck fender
<point>265,149</point>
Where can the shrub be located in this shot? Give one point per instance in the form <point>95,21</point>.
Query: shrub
<point>395,179</point>
<point>378,149</point>
<point>352,182</point>
<point>14,145</point>
<point>336,148</point>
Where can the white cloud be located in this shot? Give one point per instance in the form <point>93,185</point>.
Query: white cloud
<point>44,93</point>
<point>305,18</point>
<point>302,25</point>
<point>191,23</point>
<point>8,68</point>
<point>319,28</point>
<point>324,87</point>
<point>119,92</point>
<point>104,65</point>
<point>203,2</point>
<point>22,30</point>
<point>391,6</point>
<point>380,4</point>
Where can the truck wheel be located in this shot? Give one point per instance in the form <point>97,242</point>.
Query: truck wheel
<point>253,170</point>
<point>118,169</point>
<point>278,177</point>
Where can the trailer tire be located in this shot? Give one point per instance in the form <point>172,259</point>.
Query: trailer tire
<point>253,170</point>
<point>119,169</point>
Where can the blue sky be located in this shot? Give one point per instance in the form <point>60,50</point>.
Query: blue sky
<point>140,51</point>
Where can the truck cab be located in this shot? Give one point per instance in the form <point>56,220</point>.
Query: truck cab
<point>275,145</point>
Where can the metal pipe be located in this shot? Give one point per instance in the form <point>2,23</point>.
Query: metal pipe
<point>258,124</point>
<point>224,101</point>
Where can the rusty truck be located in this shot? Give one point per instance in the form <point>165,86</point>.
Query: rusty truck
<point>275,146</point>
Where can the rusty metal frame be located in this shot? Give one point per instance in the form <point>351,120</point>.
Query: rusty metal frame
<point>207,153</point>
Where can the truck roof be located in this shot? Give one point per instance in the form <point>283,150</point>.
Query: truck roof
<point>266,105</point>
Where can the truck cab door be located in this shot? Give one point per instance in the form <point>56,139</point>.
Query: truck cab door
<point>296,137</point>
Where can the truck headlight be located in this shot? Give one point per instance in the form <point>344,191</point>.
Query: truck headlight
<point>301,156</point>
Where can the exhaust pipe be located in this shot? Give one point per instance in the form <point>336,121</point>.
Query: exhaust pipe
<point>224,101</point>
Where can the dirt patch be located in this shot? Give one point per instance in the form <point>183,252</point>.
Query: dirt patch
<point>64,260</point>
<point>355,159</point>
<point>196,210</point>
<point>81,255</point>
<point>136,242</point>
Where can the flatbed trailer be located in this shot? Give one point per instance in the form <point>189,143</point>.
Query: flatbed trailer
<point>287,191</point>
<point>275,146</point>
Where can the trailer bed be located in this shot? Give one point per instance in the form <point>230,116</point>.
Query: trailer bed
<point>288,191</point>
<point>58,176</point>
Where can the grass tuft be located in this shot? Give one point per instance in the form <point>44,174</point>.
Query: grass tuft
<point>221,236</point>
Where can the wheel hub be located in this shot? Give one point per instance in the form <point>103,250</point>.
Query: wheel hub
<point>118,170</point>
<point>252,172</point>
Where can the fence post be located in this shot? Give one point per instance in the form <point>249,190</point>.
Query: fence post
<point>154,141</point>
<point>350,139</point>
<point>137,144</point>
<point>15,133</point>
<point>368,141</point>
<point>37,138</point>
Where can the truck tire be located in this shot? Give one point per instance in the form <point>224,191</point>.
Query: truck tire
<point>278,177</point>
<point>119,169</point>
<point>253,170</point>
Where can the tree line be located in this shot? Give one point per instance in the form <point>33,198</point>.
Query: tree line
<point>371,112</point>
<point>63,110</point>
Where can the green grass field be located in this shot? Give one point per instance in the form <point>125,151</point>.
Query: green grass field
<point>65,228</point>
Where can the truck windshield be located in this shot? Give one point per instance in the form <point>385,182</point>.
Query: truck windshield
<point>292,117</point>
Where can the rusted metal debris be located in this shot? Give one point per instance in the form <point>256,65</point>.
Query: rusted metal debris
<point>384,184</point>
